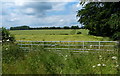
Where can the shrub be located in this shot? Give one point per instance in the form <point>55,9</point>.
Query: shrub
<point>116,36</point>
<point>79,32</point>
<point>64,34</point>
<point>6,36</point>
<point>11,52</point>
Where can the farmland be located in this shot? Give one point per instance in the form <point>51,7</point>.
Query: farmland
<point>56,35</point>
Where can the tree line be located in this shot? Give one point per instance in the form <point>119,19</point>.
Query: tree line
<point>38,28</point>
<point>101,18</point>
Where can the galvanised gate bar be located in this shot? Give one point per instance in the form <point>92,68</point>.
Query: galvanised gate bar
<point>75,46</point>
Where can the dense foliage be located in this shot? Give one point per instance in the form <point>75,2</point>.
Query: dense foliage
<point>102,19</point>
<point>6,36</point>
<point>11,52</point>
<point>20,28</point>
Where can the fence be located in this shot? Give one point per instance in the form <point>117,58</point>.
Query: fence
<point>76,46</point>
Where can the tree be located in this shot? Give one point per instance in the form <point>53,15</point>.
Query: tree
<point>66,27</point>
<point>101,18</point>
<point>74,27</point>
<point>20,28</point>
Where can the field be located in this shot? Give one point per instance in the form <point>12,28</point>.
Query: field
<point>56,35</point>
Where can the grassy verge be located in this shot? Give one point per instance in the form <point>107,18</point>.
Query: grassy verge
<point>41,61</point>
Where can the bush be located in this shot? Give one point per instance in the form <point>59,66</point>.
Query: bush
<point>79,32</point>
<point>116,36</point>
<point>6,36</point>
<point>11,52</point>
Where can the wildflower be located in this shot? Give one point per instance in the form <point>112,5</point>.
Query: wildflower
<point>117,66</point>
<point>8,40</point>
<point>100,56</point>
<point>90,46</point>
<point>66,55</point>
<point>114,57</point>
<point>98,64</point>
<point>6,49</point>
<point>65,58</point>
<point>103,65</point>
<point>94,66</point>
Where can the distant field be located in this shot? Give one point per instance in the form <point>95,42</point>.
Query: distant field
<point>55,35</point>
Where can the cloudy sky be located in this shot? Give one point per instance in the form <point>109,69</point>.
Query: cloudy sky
<point>38,13</point>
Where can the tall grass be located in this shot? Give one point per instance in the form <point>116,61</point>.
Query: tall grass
<point>41,61</point>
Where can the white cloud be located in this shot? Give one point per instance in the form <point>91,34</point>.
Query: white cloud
<point>58,6</point>
<point>61,20</point>
<point>14,19</point>
<point>29,10</point>
<point>19,2</point>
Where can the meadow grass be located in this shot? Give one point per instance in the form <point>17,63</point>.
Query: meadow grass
<point>56,35</point>
<point>38,60</point>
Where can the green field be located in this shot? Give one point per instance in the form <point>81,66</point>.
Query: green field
<point>56,35</point>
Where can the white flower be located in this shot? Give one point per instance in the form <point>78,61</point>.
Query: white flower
<point>90,46</point>
<point>103,65</point>
<point>94,66</point>
<point>100,56</point>
<point>98,64</point>
<point>114,57</point>
<point>6,49</point>
<point>8,40</point>
<point>117,66</point>
<point>66,55</point>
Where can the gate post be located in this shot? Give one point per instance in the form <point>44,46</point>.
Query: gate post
<point>99,45</point>
<point>83,45</point>
<point>118,58</point>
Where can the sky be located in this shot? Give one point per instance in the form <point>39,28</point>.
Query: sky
<point>39,13</point>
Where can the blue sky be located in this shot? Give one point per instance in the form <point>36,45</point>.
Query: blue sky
<point>39,13</point>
